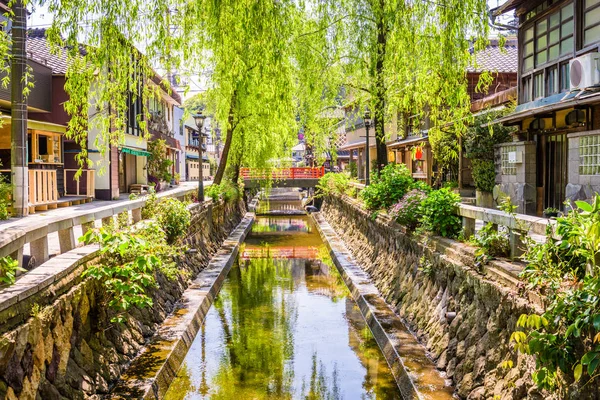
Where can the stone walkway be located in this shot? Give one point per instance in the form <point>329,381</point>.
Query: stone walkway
<point>53,242</point>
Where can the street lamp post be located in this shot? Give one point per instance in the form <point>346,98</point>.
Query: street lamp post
<point>199,119</point>
<point>367,119</point>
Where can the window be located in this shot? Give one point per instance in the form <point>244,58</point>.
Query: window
<point>538,86</point>
<point>549,38</point>
<point>565,80</point>
<point>589,155</point>
<point>44,147</point>
<point>552,80</point>
<point>526,91</point>
<point>508,165</point>
<point>591,22</point>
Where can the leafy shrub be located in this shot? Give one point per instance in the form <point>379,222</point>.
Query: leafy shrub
<point>407,210</point>
<point>5,195</point>
<point>387,187</point>
<point>128,263</point>
<point>484,175</point>
<point>479,148</point>
<point>333,183</point>
<point>8,270</point>
<point>566,270</point>
<point>150,207</point>
<point>227,189</point>
<point>174,218</point>
<point>353,169</point>
<point>491,243</point>
<point>438,214</point>
<point>159,166</point>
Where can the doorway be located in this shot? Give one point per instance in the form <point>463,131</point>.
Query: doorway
<point>555,170</point>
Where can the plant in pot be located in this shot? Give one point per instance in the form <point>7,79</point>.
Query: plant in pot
<point>479,142</point>
<point>158,164</point>
<point>177,178</point>
<point>551,212</point>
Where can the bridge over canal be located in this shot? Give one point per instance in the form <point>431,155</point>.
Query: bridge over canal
<point>282,177</point>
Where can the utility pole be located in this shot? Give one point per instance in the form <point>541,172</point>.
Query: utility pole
<point>18,154</point>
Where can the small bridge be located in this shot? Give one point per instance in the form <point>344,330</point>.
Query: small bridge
<point>282,177</point>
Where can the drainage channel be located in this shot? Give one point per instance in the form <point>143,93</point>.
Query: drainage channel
<point>284,326</point>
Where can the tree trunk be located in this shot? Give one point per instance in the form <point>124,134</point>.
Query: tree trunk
<point>18,154</point>
<point>228,139</point>
<point>379,93</point>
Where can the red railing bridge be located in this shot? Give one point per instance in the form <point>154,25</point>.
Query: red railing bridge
<point>283,173</point>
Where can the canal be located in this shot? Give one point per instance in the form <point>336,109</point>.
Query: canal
<point>284,326</point>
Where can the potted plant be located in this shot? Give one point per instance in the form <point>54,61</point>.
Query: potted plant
<point>177,178</point>
<point>551,212</point>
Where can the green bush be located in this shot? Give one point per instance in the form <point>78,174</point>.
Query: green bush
<point>566,270</point>
<point>353,169</point>
<point>227,190</point>
<point>150,206</point>
<point>5,195</point>
<point>333,183</point>
<point>491,243</point>
<point>159,166</point>
<point>484,174</point>
<point>8,270</point>
<point>174,218</point>
<point>387,187</point>
<point>438,214</point>
<point>407,211</point>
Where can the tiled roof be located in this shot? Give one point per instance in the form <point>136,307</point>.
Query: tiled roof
<point>38,50</point>
<point>497,59</point>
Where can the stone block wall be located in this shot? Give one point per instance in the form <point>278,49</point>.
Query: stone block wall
<point>425,287</point>
<point>69,348</point>
<point>521,187</point>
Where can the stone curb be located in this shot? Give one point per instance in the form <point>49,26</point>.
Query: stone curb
<point>151,373</point>
<point>415,373</point>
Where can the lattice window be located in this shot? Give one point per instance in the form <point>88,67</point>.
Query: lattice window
<point>589,155</point>
<point>508,164</point>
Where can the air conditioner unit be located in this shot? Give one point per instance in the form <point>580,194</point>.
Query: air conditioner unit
<point>585,71</point>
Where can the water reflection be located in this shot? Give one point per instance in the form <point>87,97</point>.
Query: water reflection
<point>284,328</point>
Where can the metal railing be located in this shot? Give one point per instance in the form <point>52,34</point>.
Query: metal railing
<point>283,173</point>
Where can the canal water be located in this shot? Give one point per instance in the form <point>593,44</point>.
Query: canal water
<point>284,326</point>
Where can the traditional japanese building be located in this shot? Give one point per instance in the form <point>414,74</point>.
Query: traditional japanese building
<point>555,155</point>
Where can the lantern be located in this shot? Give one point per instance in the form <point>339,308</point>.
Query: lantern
<point>418,153</point>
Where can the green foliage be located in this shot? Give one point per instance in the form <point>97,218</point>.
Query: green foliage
<point>334,183</point>
<point>353,169</point>
<point>566,338</point>
<point>5,196</point>
<point>438,213</point>
<point>491,243</point>
<point>8,270</point>
<point>129,261</point>
<point>484,174</point>
<point>159,166</point>
<point>149,209</point>
<point>227,190</point>
<point>479,142</point>
<point>174,218</point>
<point>387,187</point>
<point>407,211</point>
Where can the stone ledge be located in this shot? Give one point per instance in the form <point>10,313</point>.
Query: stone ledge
<point>414,372</point>
<point>150,374</point>
<point>43,276</point>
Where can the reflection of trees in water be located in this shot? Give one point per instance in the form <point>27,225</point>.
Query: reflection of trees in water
<point>379,382</point>
<point>320,386</point>
<point>257,321</point>
<point>282,224</point>
<point>181,385</point>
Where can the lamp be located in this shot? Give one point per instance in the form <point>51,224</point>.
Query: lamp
<point>368,123</point>
<point>199,120</point>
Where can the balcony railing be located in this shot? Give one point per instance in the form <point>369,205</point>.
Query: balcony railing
<point>283,173</point>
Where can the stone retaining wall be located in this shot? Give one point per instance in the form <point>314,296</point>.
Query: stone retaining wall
<point>425,287</point>
<point>69,349</point>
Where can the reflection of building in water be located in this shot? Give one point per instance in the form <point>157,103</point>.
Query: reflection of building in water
<point>279,206</point>
<point>320,280</point>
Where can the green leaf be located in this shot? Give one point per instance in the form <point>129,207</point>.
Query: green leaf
<point>578,370</point>
<point>585,206</point>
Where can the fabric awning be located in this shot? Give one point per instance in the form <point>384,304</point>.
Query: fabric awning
<point>135,152</point>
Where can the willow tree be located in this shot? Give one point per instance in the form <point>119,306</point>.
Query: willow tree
<point>410,57</point>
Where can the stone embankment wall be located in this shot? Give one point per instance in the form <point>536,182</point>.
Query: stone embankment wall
<point>69,348</point>
<point>425,287</point>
